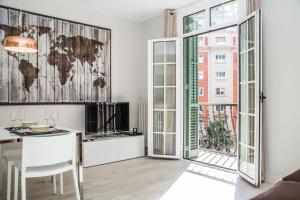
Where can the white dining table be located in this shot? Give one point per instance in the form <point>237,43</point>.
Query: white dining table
<point>7,137</point>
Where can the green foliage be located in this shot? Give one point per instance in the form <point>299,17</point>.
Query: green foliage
<point>217,137</point>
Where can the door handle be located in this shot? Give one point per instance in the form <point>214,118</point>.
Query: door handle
<point>262,97</point>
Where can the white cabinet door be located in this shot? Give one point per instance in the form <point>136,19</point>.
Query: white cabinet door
<point>163,90</point>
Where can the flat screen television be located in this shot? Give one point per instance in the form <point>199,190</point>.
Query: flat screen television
<point>106,117</point>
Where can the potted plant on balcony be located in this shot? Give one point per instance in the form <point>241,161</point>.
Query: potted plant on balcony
<point>217,137</point>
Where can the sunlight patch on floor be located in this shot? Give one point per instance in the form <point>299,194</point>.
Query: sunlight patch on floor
<point>201,182</point>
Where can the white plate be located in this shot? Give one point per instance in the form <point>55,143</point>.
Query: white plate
<point>27,124</point>
<point>39,128</point>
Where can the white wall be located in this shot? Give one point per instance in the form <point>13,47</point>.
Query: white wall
<point>281,44</point>
<point>128,69</point>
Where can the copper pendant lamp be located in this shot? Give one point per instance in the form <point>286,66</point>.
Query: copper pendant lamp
<point>21,43</point>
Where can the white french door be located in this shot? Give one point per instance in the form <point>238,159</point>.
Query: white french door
<point>163,101</point>
<point>250,99</point>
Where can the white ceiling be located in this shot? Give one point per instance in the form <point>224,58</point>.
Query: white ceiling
<point>137,10</point>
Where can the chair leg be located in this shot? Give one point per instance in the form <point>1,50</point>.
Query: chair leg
<point>61,183</point>
<point>16,188</point>
<point>8,191</point>
<point>76,183</point>
<point>23,186</point>
<point>1,167</point>
<point>54,184</point>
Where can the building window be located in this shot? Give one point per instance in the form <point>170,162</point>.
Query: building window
<point>220,58</point>
<point>200,75</point>
<point>201,58</point>
<point>194,22</point>
<point>224,13</point>
<point>201,41</point>
<point>220,40</point>
<point>220,91</point>
<point>220,75</point>
<point>201,91</point>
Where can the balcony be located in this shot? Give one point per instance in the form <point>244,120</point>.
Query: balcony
<point>218,135</point>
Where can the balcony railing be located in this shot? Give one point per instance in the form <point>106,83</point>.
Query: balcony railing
<point>217,127</point>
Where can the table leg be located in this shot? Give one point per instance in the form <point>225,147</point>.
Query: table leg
<point>80,167</point>
<point>1,166</point>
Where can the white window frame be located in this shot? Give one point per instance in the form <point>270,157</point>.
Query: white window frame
<point>200,75</point>
<point>220,77</point>
<point>220,91</point>
<point>219,58</point>
<point>201,60</point>
<point>218,42</point>
<point>201,94</point>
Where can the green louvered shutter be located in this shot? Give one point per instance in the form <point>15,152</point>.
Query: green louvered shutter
<point>191,97</point>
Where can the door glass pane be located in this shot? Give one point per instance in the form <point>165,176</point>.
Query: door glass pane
<point>251,98</point>
<point>243,98</point>
<point>243,36</point>
<point>170,121</point>
<point>246,161</point>
<point>171,75</point>
<point>251,65</point>
<point>158,52</point>
<point>171,51</point>
<point>158,144</point>
<point>251,33</point>
<point>158,121</point>
<point>243,126</point>
<point>243,67</point>
<point>170,98</point>
<point>250,130</point>
<point>170,144</point>
<point>158,98</point>
<point>158,75</point>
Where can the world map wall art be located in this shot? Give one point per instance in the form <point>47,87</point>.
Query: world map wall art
<point>72,65</point>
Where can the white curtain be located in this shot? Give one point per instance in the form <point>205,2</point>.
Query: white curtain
<point>252,5</point>
<point>170,23</point>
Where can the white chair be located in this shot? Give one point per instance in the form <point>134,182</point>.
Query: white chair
<point>47,156</point>
<point>12,156</point>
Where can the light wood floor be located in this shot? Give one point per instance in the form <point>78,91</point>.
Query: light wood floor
<point>148,179</point>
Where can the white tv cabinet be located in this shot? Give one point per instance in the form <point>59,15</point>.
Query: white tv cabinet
<point>112,149</point>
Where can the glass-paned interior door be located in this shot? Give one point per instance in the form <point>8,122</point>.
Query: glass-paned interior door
<point>249,156</point>
<point>163,136</point>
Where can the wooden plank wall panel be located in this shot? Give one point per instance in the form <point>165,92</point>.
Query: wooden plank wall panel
<point>22,69</point>
<point>32,96</point>
<point>95,65</point>
<point>3,58</point>
<point>50,68</point>
<point>13,60</point>
<point>87,69</point>
<point>58,60</point>
<point>80,65</point>
<point>66,62</point>
<point>107,66</point>
<point>66,68</point>
<point>74,70</point>
<point>42,60</point>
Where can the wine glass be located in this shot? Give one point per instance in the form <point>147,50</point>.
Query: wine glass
<point>55,116</point>
<point>47,115</point>
<point>21,114</point>
<point>13,117</point>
